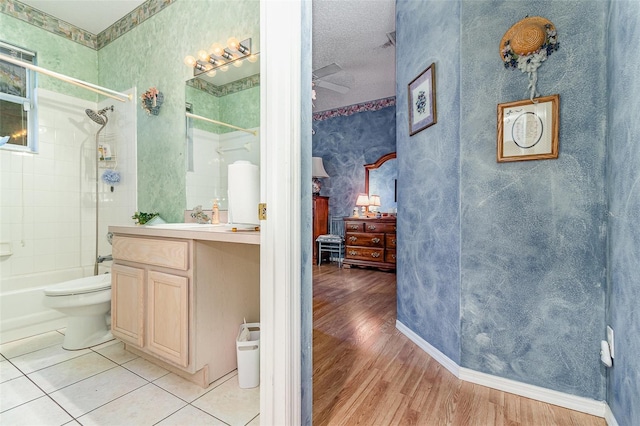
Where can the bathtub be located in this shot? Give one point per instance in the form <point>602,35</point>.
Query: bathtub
<point>21,311</point>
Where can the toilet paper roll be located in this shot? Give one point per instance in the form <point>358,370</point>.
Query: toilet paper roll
<point>244,193</point>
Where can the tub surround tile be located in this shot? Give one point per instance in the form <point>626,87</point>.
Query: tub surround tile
<point>89,394</point>
<point>69,372</point>
<point>16,392</point>
<point>41,411</point>
<point>43,358</point>
<point>230,403</point>
<point>190,415</point>
<point>144,406</point>
<point>31,344</point>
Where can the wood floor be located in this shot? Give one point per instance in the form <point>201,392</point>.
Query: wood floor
<point>365,372</point>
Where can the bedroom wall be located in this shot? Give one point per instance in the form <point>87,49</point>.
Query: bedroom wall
<point>347,139</point>
<point>505,272</point>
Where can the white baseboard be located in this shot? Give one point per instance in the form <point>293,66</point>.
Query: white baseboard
<point>561,399</point>
<point>444,360</point>
<point>609,417</point>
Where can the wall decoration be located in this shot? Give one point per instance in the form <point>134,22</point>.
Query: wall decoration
<point>422,100</point>
<point>152,100</point>
<point>528,130</point>
<point>526,45</point>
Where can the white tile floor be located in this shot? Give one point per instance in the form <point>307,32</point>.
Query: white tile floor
<point>43,384</point>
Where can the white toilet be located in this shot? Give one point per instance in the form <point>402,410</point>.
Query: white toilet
<point>85,302</point>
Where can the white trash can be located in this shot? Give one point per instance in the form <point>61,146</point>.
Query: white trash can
<point>249,356</point>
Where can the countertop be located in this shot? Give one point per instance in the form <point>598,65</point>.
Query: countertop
<point>222,233</point>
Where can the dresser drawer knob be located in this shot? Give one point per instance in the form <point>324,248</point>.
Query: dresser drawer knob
<point>353,253</point>
<point>371,227</point>
<point>354,227</point>
<point>375,240</point>
<point>393,241</point>
<point>375,254</point>
<point>393,256</point>
<point>353,239</point>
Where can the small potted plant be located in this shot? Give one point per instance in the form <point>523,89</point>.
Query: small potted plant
<point>141,217</point>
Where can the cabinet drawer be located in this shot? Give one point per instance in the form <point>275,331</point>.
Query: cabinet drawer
<point>365,253</point>
<point>364,239</point>
<point>390,256</point>
<point>380,227</point>
<point>351,226</point>
<point>390,241</point>
<point>168,253</point>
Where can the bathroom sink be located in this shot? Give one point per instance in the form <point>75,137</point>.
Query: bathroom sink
<point>187,225</point>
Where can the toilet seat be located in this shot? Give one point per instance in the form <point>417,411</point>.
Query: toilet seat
<point>80,286</point>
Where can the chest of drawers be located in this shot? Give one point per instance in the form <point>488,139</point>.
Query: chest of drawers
<point>370,242</point>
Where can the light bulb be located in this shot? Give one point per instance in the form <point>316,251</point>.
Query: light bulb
<point>190,61</point>
<point>252,58</point>
<point>233,43</point>
<point>203,55</point>
<point>212,73</point>
<point>216,49</point>
<point>237,63</point>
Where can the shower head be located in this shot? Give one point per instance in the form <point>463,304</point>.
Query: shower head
<point>99,117</point>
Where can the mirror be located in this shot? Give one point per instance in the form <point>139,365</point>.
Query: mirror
<point>231,97</point>
<point>381,178</point>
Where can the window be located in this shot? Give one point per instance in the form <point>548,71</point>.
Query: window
<point>18,129</point>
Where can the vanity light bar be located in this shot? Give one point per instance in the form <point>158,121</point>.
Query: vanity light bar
<point>218,57</point>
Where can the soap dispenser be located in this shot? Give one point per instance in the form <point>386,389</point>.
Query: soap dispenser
<point>215,214</point>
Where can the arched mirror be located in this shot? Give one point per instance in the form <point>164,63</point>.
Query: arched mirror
<point>381,178</point>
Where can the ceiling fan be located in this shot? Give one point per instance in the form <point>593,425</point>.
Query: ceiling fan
<point>326,71</point>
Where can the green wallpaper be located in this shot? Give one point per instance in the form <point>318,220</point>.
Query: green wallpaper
<point>241,109</point>
<point>55,53</point>
<point>205,105</point>
<point>152,54</point>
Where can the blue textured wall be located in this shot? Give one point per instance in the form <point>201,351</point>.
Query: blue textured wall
<point>346,144</point>
<point>534,233</point>
<point>521,248</point>
<point>429,177</point>
<point>624,205</point>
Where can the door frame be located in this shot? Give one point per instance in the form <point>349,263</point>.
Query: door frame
<point>280,247</point>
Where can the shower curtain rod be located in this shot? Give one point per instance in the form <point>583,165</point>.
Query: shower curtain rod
<point>85,85</point>
<point>198,117</point>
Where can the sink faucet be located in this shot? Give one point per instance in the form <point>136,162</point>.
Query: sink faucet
<point>103,258</point>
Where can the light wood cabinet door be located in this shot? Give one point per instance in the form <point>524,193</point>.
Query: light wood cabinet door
<point>127,304</point>
<point>168,317</point>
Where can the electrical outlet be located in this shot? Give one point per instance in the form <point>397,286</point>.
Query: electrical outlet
<point>610,340</point>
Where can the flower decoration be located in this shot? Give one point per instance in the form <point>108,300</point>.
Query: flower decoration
<point>152,100</point>
<point>530,62</point>
<point>526,45</point>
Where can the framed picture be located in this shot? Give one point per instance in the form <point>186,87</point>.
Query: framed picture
<point>528,130</point>
<point>422,100</point>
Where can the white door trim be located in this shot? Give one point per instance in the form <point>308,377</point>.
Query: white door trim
<point>280,251</point>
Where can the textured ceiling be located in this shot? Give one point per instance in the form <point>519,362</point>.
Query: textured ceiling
<point>350,33</point>
<point>353,34</point>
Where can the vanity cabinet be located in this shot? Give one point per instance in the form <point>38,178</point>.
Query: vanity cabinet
<point>180,302</point>
<point>370,242</point>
